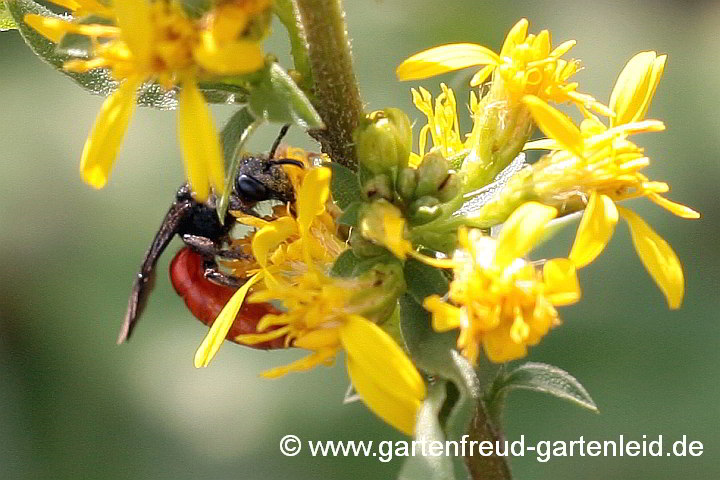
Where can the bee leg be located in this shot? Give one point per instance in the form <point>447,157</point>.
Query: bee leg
<point>222,279</point>
<point>208,248</point>
<point>145,278</point>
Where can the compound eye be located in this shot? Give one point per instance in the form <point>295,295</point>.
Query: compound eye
<point>250,189</point>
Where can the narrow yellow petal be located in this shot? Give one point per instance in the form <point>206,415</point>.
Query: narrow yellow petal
<point>560,278</point>
<point>324,356</point>
<point>134,18</point>
<point>314,193</point>
<point>268,238</point>
<point>317,339</point>
<point>596,228</point>
<point>673,207</point>
<point>393,406</point>
<point>445,317</point>
<point>521,231</point>
<point>375,352</point>
<point>481,75</point>
<point>232,58</point>
<point>562,49</point>
<point>555,124</point>
<point>54,29</point>
<point>106,136</point>
<point>200,142</point>
<point>445,58</point>
<point>515,36</point>
<point>635,87</point>
<point>221,326</point>
<point>658,257</point>
<point>255,338</point>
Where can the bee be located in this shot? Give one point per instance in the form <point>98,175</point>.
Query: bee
<point>193,272</point>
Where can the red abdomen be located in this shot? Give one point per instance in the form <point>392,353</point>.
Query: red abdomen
<point>206,299</point>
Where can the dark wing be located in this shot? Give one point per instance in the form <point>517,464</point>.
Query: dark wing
<point>142,286</point>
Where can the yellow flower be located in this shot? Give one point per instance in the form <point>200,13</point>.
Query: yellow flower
<point>284,249</point>
<point>324,314</point>
<point>322,317</point>
<point>442,124</point>
<point>157,41</point>
<point>500,301</point>
<point>599,166</point>
<point>527,64</point>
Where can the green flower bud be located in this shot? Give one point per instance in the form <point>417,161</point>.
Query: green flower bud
<point>449,189</point>
<point>384,284</point>
<point>406,183</point>
<point>379,186</point>
<point>432,173</point>
<point>383,140</point>
<point>424,209</point>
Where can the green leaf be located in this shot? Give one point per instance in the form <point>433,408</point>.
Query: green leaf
<point>428,429</point>
<point>350,214</point>
<point>6,20</point>
<point>278,99</point>
<point>344,264</point>
<point>344,184</point>
<point>538,377</point>
<point>233,137</point>
<point>424,280</point>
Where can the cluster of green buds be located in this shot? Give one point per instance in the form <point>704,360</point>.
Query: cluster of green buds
<point>397,196</point>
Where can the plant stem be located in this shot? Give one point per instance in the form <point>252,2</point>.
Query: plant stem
<point>336,94</point>
<point>493,467</point>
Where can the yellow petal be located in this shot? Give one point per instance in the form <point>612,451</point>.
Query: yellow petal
<point>481,75</point>
<point>444,316</point>
<point>313,195</point>
<point>658,257</point>
<point>500,347</point>
<point>560,278</point>
<point>317,339</point>
<point>521,231</point>
<point>221,326</point>
<point>393,406</point>
<point>324,356</point>
<point>200,142</point>
<point>268,238</point>
<point>134,18</point>
<point>673,207</point>
<point>55,28</point>
<point>106,136</point>
<point>596,228</point>
<point>555,124</point>
<point>255,338</point>
<point>635,87</point>
<point>233,58</point>
<point>515,36</point>
<point>445,58</point>
<point>375,352</point>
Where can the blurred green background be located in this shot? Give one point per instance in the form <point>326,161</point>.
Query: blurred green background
<point>74,405</point>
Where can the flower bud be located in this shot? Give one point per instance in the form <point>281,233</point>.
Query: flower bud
<point>383,140</point>
<point>424,209</point>
<point>379,186</point>
<point>384,282</point>
<point>432,173</point>
<point>384,224</point>
<point>406,183</point>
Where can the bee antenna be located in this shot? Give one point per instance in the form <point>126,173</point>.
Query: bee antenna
<point>281,135</point>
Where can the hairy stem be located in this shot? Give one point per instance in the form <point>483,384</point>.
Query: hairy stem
<point>493,467</point>
<point>336,94</point>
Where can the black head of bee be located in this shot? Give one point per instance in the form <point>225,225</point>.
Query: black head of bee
<point>260,178</point>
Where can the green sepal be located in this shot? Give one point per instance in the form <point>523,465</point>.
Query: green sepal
<point>233,137</point>
<point>276,98</point>
<point>345,185</point>
<point>538,377</point>
<point>6,20</point>
<point>350,214</point>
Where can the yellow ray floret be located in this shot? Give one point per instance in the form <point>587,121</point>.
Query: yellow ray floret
<point>501,302</point>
